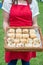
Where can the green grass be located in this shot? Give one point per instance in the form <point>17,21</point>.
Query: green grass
<point>39,59</point>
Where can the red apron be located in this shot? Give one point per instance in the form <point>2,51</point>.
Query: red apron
<point>20,15</point>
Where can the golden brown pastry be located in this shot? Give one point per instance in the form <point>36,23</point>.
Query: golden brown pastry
<point>32,31</point>
<point>19,45</point>
<point>23,40</point>
<point>25,35</point>
<point>29,42</point>
<point>10,40</point>
<point>33,35</point>
<point>36,42</point>
<point>11,44</point>
<point>18,35</point>
<point>25,31</point>
<point>11,30</point>
<point>16,40</point>
<point>18,30</point>
<point>11,35</point>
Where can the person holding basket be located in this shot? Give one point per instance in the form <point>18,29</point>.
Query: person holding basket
<point>19,13</point>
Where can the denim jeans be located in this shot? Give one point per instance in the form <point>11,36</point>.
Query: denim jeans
<point>14,62</point>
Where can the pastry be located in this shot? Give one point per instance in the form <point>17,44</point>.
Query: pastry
<point>10,40</point>
<point>32,31</point>
<point>23,40</point>
<point>11,35</point>
<point>19,45</point>
<point>18,30</point>
<point>36,42</point>
<point>11,30</point>
<point>16,40</point>
<point>22,44</point>
<point>28,45</point>
<point>18,35</point>
<point>29,42</point>
<point>33,35</point>
<point>25,35</point>
<point>25,31</point>
<point>11,45</point>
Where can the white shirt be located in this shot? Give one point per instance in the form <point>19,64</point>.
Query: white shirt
<point>33,6</point>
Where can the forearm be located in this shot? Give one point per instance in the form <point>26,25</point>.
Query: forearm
<point>5,25</point>
<point>35,21</point>
<point>5,20</point>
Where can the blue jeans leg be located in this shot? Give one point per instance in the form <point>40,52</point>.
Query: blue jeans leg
<point>25,62</point>
<point>13,62</point>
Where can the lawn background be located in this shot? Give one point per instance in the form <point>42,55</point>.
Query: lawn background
<point>39,59</point>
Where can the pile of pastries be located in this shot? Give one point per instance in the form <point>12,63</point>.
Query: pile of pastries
<point>21,37</point>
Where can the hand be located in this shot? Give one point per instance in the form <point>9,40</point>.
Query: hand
<point>5,26</point>
<point>35,25</point>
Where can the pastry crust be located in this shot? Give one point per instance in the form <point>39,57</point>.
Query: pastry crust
<point>11,30</point>
<point>18,35</point>
<point>19,45</point>
<point>11,35</point>
<point>25,31</point>
<point>23,41</point>
<point>28,45</point>
<point>36,42</point>
<point>30,41</point>
<point>33,36</point>
<point>33,33</point>
<point>16,41</point>
<point>18,30</point>
<point>25,36</point>
<point>9,40</point>
<point>11,45</point>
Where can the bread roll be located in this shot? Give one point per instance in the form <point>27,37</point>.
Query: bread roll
<point>11,30</point>
<point>25,35</point>
<point>36,42</point>
<point>23,40</point>
<point>11,45</point>
<point>16,40</point>
<point>22,44</point>
<point>19,45</point>
<point>33,36</point>
<point>9,40</point>
<point>32,31</point>
<point>25,31</point>
<point>28,45</point>
<point>29,42</point>
<point>18,35</point>
<point>11,35</point>
<point>18,30</point>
